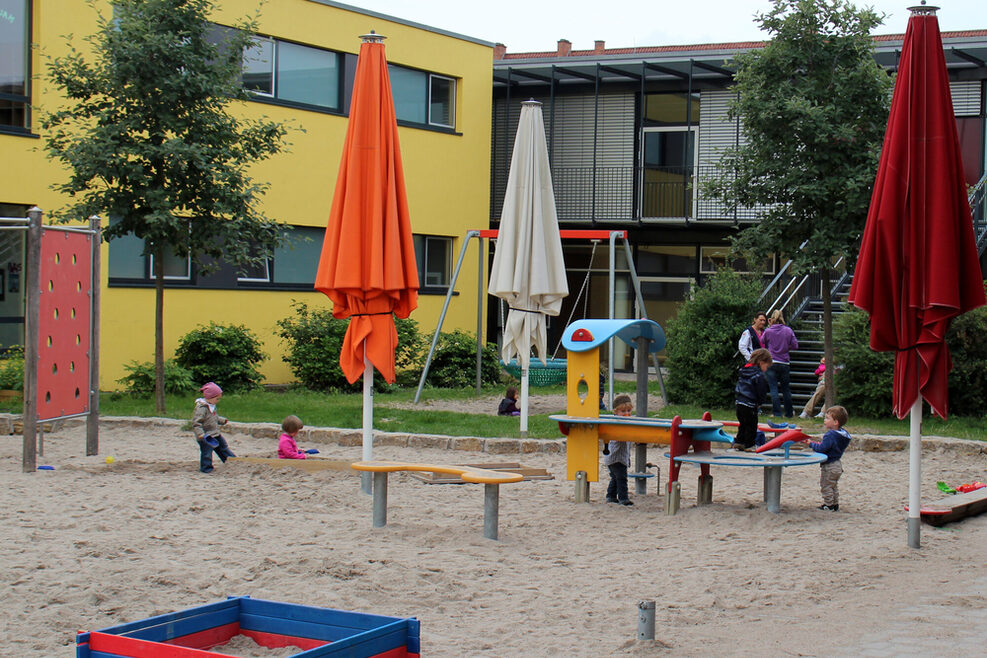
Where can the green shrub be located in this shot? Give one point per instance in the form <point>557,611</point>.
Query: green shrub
<point>863,384</point>
<point>12,369</point>
<point>225,354</point>
<point>314,339</point>
<point>702,340</point>
<point>968,380</point>
<point>140,378</point>
<point>454,362</point>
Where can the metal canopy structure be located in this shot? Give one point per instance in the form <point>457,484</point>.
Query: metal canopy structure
<point>966,55</point>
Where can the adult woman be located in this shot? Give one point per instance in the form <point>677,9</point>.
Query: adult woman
<point>750,340</point>
<point>779,339</point>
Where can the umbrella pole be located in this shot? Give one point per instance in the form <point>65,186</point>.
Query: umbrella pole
<point>524,403</point>
<point>915,475</point>
<point>368,422</point>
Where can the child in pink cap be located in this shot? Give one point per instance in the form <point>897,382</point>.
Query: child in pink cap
<point>205,425</point>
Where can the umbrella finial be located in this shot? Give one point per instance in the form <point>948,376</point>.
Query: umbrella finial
<point>923,10</point>
<point>373,37</point>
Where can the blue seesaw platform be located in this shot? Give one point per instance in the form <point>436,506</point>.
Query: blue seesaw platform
<point>317,631</point>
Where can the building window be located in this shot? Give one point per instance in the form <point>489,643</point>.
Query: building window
<point>434,257</point>
<point>712,258</point>
<point>297,259</point>
<point>15,72</point>
<point>258,67</point>
<point>288,71</point>
<point>292,265</point>
<point>423,98</point>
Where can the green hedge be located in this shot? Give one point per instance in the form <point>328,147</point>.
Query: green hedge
<point>865,382</point>
<point>702,340</point>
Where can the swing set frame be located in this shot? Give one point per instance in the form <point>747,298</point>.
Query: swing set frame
<point>572,234</point>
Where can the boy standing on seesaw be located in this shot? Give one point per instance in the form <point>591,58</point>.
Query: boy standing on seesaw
<point>834,443</point>
<point>751,392</point>
<point>617,457</point>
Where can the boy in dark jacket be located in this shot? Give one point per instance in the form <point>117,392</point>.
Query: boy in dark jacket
<point>752,391</point>
<point>834,443</point>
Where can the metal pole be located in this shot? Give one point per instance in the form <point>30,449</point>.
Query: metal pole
<point>643,313</point>
<point>915,475</point>
<point>772,488</point>
<point>380,498</point>
<point>92,421</point>
<point>613,292</point>
<point>646,620</point>
<point>442,315</point>
<point>479,314</point>
<point>524,401</point>
<point>641,449</point>
<point>491,510</point>
<point>32,339</point>
<point>582,487</point>
<point>368,420</point>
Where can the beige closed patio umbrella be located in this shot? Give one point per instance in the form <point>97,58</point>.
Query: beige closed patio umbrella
<point>528,271</point>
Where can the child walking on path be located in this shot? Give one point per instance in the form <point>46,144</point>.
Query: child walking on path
<point>834,443</point>
<point>205,426</point>
<point>617,457</point>
<point>287,448</point>
<point>508,406</point>
<point>751,392</point>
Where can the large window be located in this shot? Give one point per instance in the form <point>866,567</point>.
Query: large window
<point>292,72</point>
<point>434,257</point>
<point>14,65</point>
<point>423,98</point>
<point>668,155</point>
<point>292,265</point>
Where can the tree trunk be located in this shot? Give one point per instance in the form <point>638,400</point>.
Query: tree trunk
<point>828,338</point>
<point>159,378</point>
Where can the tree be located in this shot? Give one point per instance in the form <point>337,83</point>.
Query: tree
<point>148,140</point>
<point>814,105</point>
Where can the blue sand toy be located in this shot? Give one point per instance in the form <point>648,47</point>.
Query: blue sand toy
<point>312,451</point>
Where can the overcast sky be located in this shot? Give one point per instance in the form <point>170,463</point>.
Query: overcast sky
<point>536,25</point>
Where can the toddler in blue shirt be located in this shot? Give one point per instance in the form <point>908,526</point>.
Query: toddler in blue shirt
<point>834,443</point>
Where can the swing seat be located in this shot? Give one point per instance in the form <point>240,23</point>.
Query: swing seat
<point>552,373</point>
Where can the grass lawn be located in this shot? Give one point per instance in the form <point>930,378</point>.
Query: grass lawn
<point>346,410</point>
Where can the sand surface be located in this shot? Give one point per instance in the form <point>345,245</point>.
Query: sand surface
<point>89,545</point>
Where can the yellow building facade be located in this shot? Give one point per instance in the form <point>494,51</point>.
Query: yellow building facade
<point>299,73</point>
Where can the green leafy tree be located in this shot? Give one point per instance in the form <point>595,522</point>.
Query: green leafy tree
<point>702,340</point>
<point>814,105</point>
<point>147,139</point>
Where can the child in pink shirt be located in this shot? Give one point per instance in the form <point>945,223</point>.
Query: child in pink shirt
<point>287,448</point>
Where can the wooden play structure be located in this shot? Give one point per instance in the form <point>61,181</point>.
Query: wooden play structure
<point>955,507</point>
<point>690,441</point>
<point>491,481</point>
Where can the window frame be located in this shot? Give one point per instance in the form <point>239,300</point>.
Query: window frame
<point>422,265</point>
<point>28,76</point>
<point>452,101</point>
<point>275,97</point>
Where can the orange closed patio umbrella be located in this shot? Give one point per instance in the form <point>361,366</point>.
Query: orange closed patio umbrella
<point>367,267</point>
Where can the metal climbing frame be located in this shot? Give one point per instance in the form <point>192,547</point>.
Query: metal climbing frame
<point>566,234</point>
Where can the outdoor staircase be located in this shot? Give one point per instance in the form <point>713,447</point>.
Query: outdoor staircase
<point>805,359</point>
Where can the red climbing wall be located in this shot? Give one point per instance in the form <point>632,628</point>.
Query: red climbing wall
<point>64,350</point>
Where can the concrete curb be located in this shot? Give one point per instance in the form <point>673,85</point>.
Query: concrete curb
<point>10,424</point>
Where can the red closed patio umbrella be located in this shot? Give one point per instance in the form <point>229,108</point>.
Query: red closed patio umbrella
<point>918,266</point>
<point>367,266</point>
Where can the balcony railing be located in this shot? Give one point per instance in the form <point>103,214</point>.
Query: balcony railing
<point>618,194</point>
